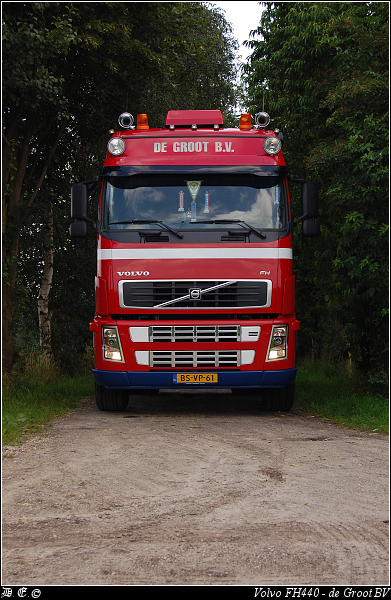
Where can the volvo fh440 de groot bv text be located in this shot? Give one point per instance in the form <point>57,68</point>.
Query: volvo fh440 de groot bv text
<point>194,284</point>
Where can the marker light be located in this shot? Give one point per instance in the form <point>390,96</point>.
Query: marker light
<point>245,121</point>
<point>142,122</point>
<point>272,145</point>
<point>116,146</point>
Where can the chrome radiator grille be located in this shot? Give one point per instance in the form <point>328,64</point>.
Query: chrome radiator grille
<point>188,359</point>
<point>195,333</point>
<point>194,294</point>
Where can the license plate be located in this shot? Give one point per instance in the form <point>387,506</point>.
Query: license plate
<point>195,378</point>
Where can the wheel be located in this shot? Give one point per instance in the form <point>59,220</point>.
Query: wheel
<point>114,400</point>
<point>278,399</point>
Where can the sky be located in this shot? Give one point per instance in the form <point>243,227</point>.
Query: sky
<point>244,16</point>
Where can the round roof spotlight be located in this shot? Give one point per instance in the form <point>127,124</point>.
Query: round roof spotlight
<point>272,145</point>
<point>262,119</point>
<point>126,120</point>
<point>116,146</point>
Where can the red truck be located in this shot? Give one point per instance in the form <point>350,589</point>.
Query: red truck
<point>194,285</point>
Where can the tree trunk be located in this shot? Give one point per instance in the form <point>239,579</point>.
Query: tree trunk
<point>13,219</point>
<point>8,346</point>
<point>10,257</point>
<point>44,291</point>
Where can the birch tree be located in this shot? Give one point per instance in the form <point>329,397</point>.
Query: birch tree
<point>45,287</point>
<point>69,70</point>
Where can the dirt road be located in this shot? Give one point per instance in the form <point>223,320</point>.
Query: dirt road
<point>195,489</point>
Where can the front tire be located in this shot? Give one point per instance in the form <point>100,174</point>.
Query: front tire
<point>278,399</point>
<point>111,400</point>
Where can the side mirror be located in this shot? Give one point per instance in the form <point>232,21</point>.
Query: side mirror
<point>79,200</point>
<point>309,206</point>
<point>79,207</point>
<point>311,228</point>
<point>78,229</point>
<point>310,199</point>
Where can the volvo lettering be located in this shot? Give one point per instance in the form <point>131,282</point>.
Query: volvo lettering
<point>194,286</point>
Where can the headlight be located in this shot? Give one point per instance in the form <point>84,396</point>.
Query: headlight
<point>111,344</point>
<point>278,346</point>
<point>272,145</point>
<point>116,146</point>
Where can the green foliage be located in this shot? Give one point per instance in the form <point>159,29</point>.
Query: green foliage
<point>331,393</point>
<point>69,70</point>
<point>37,391</point>
<point>323,70</point>
<point>29,404</point>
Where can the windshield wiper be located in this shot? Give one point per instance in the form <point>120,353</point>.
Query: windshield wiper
<point>229,221</point>
<point>147,222</point>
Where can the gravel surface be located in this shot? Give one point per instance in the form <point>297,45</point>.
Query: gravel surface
<point>196,489</point>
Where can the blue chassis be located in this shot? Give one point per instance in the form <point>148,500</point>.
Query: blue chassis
<point>164,380</point>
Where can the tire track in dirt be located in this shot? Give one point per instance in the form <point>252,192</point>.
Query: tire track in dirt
<point>196,490</point>
<point>267,553</point>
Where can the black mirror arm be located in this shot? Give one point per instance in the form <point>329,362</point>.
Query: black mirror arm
<point>88,220</point>
<point>302,218</point>
<point>295,179</point>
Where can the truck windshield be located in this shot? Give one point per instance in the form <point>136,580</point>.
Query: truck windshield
<point>186,202</point>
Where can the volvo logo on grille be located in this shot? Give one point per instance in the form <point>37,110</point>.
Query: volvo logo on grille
<point>195,293</point>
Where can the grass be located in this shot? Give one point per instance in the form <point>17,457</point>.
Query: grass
<point>331,393</point>
<point>37,393</point>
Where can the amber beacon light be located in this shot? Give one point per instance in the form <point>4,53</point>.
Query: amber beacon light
<point>186,298</point>
<point>142,122</point>
<point>245,121</point>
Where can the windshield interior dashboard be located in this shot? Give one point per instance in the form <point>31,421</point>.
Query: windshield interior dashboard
<point>194,207</point>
